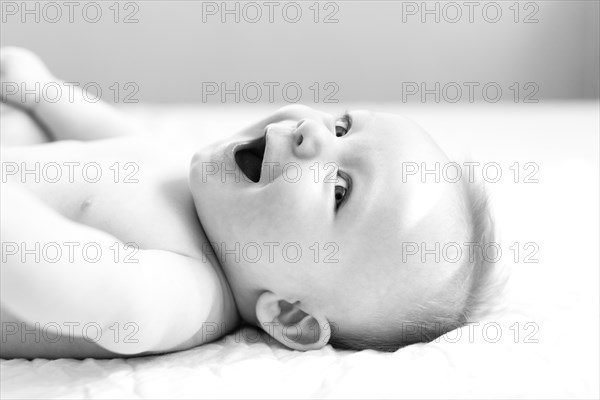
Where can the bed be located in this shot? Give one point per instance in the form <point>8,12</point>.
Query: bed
<point>542,344</point>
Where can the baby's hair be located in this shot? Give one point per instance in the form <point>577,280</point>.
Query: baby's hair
<point>479,279</point>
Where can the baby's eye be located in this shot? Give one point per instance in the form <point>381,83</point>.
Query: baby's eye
<point>342,189</point>
<point>343,125</point>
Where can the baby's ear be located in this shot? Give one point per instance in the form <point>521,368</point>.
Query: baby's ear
<point>291,325</point>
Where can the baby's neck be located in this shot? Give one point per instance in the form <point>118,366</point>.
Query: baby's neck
<point>225,308</point>
<point>224,311</point>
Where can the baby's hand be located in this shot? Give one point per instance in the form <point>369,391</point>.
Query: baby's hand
<point>23,76</point>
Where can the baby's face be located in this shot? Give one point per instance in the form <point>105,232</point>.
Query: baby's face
<point>326,220</point>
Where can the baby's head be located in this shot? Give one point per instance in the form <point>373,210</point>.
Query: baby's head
<point>322,238</point>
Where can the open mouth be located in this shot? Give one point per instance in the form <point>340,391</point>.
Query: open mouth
<point>250,156</point>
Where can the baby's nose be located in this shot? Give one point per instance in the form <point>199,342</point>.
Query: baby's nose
<point>309,137</point>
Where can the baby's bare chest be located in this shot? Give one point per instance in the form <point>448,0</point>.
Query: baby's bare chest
<point>138,192</point>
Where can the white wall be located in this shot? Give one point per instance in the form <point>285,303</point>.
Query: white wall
<point>368,54</point>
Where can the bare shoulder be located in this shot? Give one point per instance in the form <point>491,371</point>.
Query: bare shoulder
<point>173,303</point>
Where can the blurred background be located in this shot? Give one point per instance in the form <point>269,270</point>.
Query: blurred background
<point>316,52</point>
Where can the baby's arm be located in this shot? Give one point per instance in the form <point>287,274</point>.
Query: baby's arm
<point>76,117</point>
<point>167,296</point>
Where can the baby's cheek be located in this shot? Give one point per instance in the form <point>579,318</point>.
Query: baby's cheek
<point>304,201</point>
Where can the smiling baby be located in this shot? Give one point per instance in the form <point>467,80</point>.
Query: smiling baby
<point>299,224</point>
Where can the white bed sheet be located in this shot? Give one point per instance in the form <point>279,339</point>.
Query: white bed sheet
<point>559,294</point>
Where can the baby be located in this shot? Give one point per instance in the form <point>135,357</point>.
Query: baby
<point>300,224</point>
